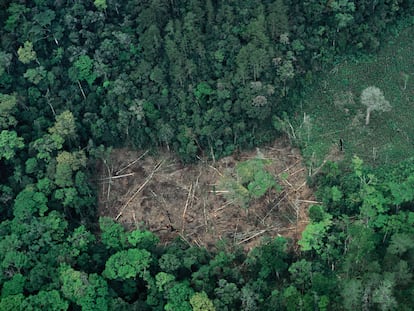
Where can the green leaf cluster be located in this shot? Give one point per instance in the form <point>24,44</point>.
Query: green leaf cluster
<point>251,181</point>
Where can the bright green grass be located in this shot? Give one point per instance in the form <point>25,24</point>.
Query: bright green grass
<point>333,105</point>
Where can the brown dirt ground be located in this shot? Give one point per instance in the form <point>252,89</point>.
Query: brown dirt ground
<point>160,194</point>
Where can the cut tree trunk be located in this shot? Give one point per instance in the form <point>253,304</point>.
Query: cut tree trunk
<point>367,117</point>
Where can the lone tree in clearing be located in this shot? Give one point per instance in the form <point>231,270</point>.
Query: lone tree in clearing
<point>374,99</point>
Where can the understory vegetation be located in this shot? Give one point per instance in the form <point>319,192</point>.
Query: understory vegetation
<point>206,79</point>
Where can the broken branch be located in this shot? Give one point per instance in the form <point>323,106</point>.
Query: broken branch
<point>185,207</point>
<point>252,237</point>
<point>156,168</point>
<point>132,163</point>
<point>116,177</point>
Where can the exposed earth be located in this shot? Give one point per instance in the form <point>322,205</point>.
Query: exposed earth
<point>159,193</point>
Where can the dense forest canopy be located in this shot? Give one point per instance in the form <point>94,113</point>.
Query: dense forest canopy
<point>202,78</point>
<point>196,76</point>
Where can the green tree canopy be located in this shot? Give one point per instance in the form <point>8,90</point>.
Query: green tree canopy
<point>9,143</point>
<point>26,53</point>
<point>127,264</point>
<point>7,110</point>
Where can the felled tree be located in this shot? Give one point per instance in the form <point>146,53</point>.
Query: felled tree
<point>373,98</point>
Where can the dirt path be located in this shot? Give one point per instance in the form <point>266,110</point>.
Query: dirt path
<point>172,200</point>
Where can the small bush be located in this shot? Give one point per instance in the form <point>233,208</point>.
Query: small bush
<point>249,181</point>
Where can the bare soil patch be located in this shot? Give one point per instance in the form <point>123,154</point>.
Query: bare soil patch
<point>160,194</point>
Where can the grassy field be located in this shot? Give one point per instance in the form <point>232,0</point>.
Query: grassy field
<point>332,109</point>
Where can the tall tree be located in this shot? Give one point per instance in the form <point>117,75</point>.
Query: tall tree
<point>373,98</point>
